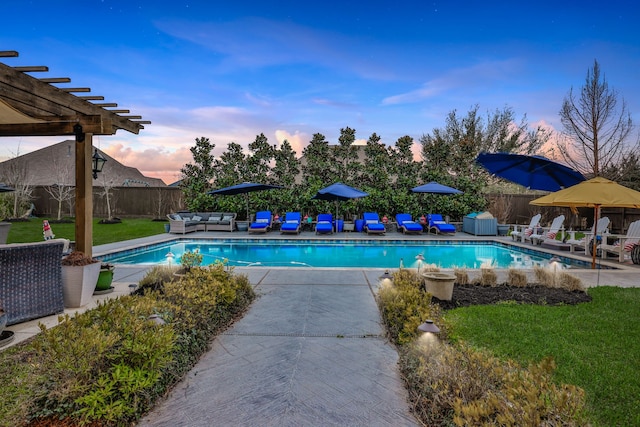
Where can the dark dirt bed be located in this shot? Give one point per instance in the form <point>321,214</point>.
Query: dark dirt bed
<point>466,295</point>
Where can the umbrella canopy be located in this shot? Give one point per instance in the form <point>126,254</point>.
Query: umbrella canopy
<point>244,188</point>
<point>595,193</point>
<point>4,188</point>
<point>534,172</point>
<point>339,192</point>
<point>435,188</point>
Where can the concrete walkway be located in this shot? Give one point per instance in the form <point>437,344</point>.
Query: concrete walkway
<point>309,352</point>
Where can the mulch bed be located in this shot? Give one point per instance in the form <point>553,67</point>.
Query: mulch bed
<point>466,295</point>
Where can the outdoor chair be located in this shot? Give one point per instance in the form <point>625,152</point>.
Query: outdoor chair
<point>526,232</point>
<point>291,223</point>
<point>586,241</point>
<point>625,245</point>
<point>407,225</point>
<point>541,235</point>
<point>439,225</point>
<point>262,222</point>
<point>324,225</point>
<point>372,224</point>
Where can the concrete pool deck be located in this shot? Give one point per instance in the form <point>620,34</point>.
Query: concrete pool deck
<point>309,351</point>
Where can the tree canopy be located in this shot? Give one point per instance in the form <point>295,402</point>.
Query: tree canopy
<point>386,172</point>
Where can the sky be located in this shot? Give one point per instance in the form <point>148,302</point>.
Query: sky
<point>229,71</point>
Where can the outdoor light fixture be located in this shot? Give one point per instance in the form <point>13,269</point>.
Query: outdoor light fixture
<point>554,262</point>
<point>429,326</point>
<point>386,276</point>
<point>97,162</point>
<point>419,258</point>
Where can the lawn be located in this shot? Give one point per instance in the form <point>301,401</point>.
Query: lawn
<point>595,345</point>
<point>31,231</point>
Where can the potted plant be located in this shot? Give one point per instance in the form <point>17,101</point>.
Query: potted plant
<point>79,278</point>
<point>105,278</point>
<point>501,206</point>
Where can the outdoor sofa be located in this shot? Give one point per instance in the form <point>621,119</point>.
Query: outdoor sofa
<point>186,222</point>
<point>31,279</point>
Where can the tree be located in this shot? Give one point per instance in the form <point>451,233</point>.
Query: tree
<point>60,191</point>
<point>596,125</point>
<point>345,157</point>
<point>260,159</point>
<point>17,177</point>
<point>197,176</point>
<point>316,169</point>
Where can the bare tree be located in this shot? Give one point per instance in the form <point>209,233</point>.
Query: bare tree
<point>106,191</point>
<point>17,176</point>
<point>60,190</point>
<point>596,126</point>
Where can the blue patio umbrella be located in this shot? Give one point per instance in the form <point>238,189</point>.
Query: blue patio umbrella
<point>533,172</point>
<point>435,188</point>
<point>339,192</point>
<point>4,188</point>
<point>244,188</point>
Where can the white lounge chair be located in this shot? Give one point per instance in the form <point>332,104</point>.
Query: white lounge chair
<point>520,234</point>
<point>543,235</point>
<point>625,244</point>
<point>602,227</point>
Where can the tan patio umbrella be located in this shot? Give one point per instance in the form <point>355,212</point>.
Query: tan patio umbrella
<point>594,193</point>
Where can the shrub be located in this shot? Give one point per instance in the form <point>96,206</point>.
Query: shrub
<point>570,282</point>
<point>470,387</point>
<point>109,365</point>
<point>517,278</point>
<point>405,306</point>
<point>462,277</point>
<point>488,277</point>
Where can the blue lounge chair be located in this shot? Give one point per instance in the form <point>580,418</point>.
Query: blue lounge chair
<point>291,223</point>
<point>439,225</point>
<point>262,222</point>
<point>407,225</point>
<point>372,224</point>
<point>324,224</point>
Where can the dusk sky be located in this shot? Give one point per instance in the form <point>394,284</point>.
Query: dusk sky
<point>232,70</point>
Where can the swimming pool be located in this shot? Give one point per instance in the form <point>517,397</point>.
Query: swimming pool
<point>340,253</point>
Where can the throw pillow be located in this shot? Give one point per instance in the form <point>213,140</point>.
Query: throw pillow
<point>196,218</point>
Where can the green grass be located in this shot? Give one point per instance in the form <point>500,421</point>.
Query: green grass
<point>595,345</point>
<point>31,231</point>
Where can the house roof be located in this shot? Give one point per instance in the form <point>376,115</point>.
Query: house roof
<point>55,164</point>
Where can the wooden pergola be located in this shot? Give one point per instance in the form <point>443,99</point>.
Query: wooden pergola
<point>32,106</point>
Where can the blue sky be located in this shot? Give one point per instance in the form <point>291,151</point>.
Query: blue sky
<point>232,70</point>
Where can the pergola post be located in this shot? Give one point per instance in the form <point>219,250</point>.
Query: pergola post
<point>84,193</point>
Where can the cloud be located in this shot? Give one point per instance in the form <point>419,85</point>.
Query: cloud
<point>485,74</point>
<point>256,42</point>
<point>297,140</point>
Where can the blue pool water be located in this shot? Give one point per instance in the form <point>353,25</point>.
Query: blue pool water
<point>349,254</point>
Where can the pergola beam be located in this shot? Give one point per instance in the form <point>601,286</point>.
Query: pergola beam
<point>37,108</point>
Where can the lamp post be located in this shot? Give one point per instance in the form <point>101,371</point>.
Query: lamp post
<point>97,163</point>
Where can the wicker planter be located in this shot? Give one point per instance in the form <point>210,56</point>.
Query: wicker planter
<point>440,285</point>
<point>78,283</point>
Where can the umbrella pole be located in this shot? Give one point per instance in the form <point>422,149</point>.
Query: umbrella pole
<point>595,237</point>
<point>246,198</point>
